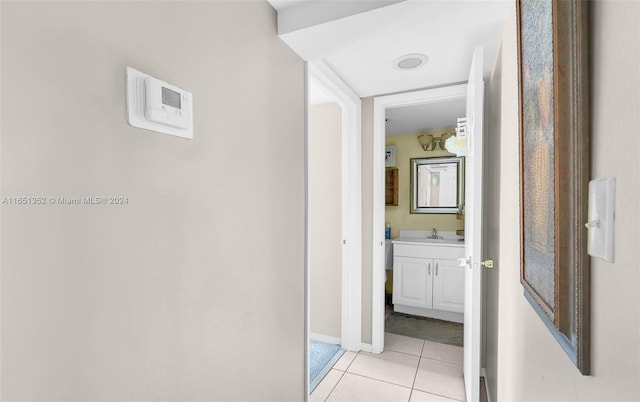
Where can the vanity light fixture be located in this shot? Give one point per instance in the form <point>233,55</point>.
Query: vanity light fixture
<point>458,144</point>
<point>429,142</point>
<point>409,61</point>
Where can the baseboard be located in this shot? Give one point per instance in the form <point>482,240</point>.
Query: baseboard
<point>325,338</point>
<point>483,373</point>
<point>425,312</point>
<point>366,347</point>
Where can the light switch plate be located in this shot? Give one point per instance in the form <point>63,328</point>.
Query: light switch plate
<point>601,218</point>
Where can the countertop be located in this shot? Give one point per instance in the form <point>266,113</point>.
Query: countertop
<point>421,237</point>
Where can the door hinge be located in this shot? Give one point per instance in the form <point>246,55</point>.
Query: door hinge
<point>487,263</point>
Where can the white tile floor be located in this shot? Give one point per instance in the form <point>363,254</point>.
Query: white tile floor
<point>409,370</point>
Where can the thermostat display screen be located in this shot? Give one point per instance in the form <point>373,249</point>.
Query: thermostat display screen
<point>170,98</point>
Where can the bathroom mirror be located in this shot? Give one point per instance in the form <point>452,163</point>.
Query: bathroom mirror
<point>437,185</point>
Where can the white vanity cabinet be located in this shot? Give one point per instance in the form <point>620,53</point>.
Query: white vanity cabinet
<point>427,280</point>
<point>448,286</point>
<point>412,282</point>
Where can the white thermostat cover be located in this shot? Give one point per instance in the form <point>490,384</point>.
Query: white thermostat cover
<point>154,105</point>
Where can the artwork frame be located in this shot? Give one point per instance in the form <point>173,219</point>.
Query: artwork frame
<point>553,80</point>
<point>390,156</point>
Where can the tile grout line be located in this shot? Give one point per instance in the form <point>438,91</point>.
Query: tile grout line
<point>440,395</point>
<point>415,377</point>
<point>352,360</point>
<point>342,373</point>
<point>404,353</point>
<point>420,357</point>
<point>442,361</point>
<point>435,360</point>
<point>379,380</point>
<point>335,386</point>
<point>375,379</point>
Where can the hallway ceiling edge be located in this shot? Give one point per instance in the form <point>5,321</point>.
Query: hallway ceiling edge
<point>359,39</point>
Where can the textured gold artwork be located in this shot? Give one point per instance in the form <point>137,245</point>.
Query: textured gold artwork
<point>538,148</point>
<point>553,56</point>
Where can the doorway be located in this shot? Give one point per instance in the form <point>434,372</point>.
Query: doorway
<point>381,104</point>
<point>322,78</point>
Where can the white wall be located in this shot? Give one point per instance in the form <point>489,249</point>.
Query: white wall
<point>325,219</point>
<point>194,290</point>
<point>367,217</point>
<point>530,364</point>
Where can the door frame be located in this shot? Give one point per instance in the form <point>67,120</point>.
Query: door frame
<point>351,189</point>
<point>380,105</point>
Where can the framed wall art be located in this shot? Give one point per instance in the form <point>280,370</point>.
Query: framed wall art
<point>554,168</point>
<point>390,156</point>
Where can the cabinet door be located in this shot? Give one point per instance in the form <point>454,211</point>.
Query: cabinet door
<point>448,286</point>
<point>412,281</point>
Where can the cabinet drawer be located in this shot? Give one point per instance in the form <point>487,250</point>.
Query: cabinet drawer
<point>428,251</point>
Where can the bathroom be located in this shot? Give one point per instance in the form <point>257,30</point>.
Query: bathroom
<point>415,137</point>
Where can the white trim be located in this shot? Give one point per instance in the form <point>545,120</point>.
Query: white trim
<point>483,373</point>
<point>380,105</point>
<point>329,82</point>
<point>366,347</point>
<point>325,338</point>
<point>307,283</point>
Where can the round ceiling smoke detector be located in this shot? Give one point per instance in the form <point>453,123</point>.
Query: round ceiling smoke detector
<point>410,61</point>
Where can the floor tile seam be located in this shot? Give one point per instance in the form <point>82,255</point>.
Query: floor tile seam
<point>443,361</point>
<point>378,356</point>
<point>379,380</point>
<point>415,376</point>
<point>404,353</point>
<point>350,363</point>
<point>433,393</point>
<point>335,386</point>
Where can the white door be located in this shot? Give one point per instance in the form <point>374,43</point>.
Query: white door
<point>473,229</point>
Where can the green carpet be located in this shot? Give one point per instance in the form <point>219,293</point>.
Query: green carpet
<point>428,329</point>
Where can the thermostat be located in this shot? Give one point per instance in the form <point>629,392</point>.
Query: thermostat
<point>155,105</point>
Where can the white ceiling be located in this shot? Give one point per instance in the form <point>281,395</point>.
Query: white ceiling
<point>432,116</point>
<point>359,39</point>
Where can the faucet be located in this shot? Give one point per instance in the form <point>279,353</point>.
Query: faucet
<point>434,234</point>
